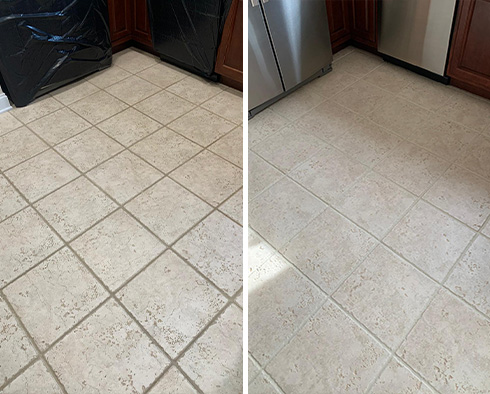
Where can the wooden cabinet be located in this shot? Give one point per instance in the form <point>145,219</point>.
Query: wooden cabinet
<point>141,23</point>
<point>229,63</point>
<point>364,29</point>
<point>469,60</point>
<point>119,21</point>
<point>338,14</point>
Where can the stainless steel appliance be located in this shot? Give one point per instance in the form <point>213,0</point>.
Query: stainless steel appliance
<point>417,32</point>
<point>288,45</point>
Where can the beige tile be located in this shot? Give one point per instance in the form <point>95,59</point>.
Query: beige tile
<point>470,277</point>
<point>282,211</point>
<point>260,175</point>
<point>172,302</point>
<point>215,360</point>
<point>201,126</point>
<point>347,362</point>
<point>399,292</point>
<point>227,105</point>
<point>397,378</point>
<point>168,209</point>
<point>98,107</point>
<point>88,149</point>
<point>477,156</point>
<point>75,207</point>
<point>73,92</point>
<point>134,61</point>
<point>363,97</point>
<point>486,230</point>
<point>334,82</point>
<point>18,146</point>
<point>129,126</point>
<point>210,177</point>
<point>230,147</point>
<point>124,176</point>
<point>343,52</point>
<point>59,126</point>
<point>173,382</point>
<point>253,369</point>
<point>16,350</point>
<point>259,251</point>
<point>164,107</point>
<point>108,77</point>
<point>297,104</point>
<point>390,77</point>
<point>117,248</point>
<point>412,167</point>
<point>165,149</point>
<point>234,207</point>
<point>107,353</point>
<point>37,109</point>
<point>262,385</point>
<point>10,200</point>
<point>8,123</point>
<point>329,249</point>
<point>195,89</point>
<point>450,347</point>
<point>42,174</point>
<point>425,92</point>
<point>376,204</point>
<point>429,239</point>
<point>280,300</point>
<point>263,125</point>
<point>132,90</point>
<point>215,247</point>
<point>54,296</point>
<point>25,240</point>
<point>35,379</point>
<point>328,174</point>
<point>358,63</point>
<point>162,75</point>
<point>288,148</point>
<point>463,195</point>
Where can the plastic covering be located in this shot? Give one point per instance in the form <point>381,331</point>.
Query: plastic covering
<point>188,32</point>
<point>45,44</point>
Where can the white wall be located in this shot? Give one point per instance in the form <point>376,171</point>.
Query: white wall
<point>4,102</point>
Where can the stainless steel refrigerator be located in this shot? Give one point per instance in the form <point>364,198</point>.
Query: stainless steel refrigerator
<point>288,46</point>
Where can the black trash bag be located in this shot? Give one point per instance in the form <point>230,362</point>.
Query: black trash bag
<point>187,33</point>
<point>45,44</point>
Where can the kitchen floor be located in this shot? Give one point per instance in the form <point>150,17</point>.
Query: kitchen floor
<point>370,243</point>
<point>121,235</point>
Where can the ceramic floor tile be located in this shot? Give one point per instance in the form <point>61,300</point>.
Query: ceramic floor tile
<point>107,353</point>
<point>172,302</point>
<point>332,83</point>
<point>477,156</point>
<point>98,107</point>
<point>165,149</point>
<point>117,248</point>
<point>173,382</point>
<point>259,251</point>
<point>450,347</point>
<point>227,105</point>
<point>59,126</point>
<point>201,126</point>
<point>164,107</point>
<point>71,93</point>
<point>329,249</point>
<point>35,379</point>
<point>343,52</point>
<point>429,239</point>
<point>132,90</point>
<point>253,369</point>
<point>10,200</point>
<point>230,147</point>
<point>463,195</point>
<point>358,63</point>
<point>262,385</point>
<point>470,277</point>
<point>210,177</point>
<point>412,167</point>
<point>328,174</point>
<point>348,361</point>
<point>134,61</point>
<point>16,350</point>
<point>37,109</point>
<point>390,77</point>
<point>88,149</point>
<point>260,175</point>
<point>399,291</point>
<point>263,125</point>
<point>376,204</point>
<point>282,211</point>
<point>162,75</point>
<point>8,123</point>
<point>18,146</point>
<point>486,230</point>
<point>215,247</point>
<point>195,89</point>
<point>297,104</point>
<point>25,240</point>
<point>129,126</point>
<point>168,209</point>
<point>42,174</point>
<point>54,296</point>
<point>280,300</point>
<point>397,378</point>
<point>75,207</point>
<point>425,92</point>
<point>124,176</point>
<point>108,77</point>
<point>215,360</point>
<point>234,207</point>
<point>363,97</point>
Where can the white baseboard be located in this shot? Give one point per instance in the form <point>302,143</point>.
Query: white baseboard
<point>4,103</point>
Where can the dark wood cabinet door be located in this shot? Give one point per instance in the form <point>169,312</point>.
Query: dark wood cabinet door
<point>469,60</point>
<point>338,14</point>
<point>364,29</point>
<point>119,20</point>
<point>141,22</point>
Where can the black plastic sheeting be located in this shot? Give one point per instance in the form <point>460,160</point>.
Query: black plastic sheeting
<point>188,32</point>
<point>45,44</point>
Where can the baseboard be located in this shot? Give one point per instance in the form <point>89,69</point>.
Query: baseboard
<point>4,103</point>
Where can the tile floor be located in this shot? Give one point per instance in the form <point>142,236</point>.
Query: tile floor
<point>370,236</point>
<point>121,237</point>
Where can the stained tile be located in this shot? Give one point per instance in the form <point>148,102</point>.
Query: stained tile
<point>397,378</point>
<point>18,146</point>
<point>8,123</point>
<point>168,209</point>
<point>297,104</point>
<point>363,97</point>
<point>37,109</point>
<point>73,92</point>
<point>162,74</point>
<point>227,105</point>
<point>172,302</point>
<point>134,61</point>
<point>108,77</point>
<point>215,247</point>
<point>358,63</point>
<point>164,107</point>
<point>173,382</point>
<point>332,83</point>
<point>98,107</point>
<point>477,156</point>
<point>10,200</point>
<point>195,89</point>
<point>234,207</point>
<point>35,379</point>
<point>390,77</point>
<point>263,125</point>
<point>259,251</point>
<point>132,90</point>
<point>230,147</point>
<point>117,248</point>
<point>107,353</point>
<point>54,296</point>
<point>260,175</point>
